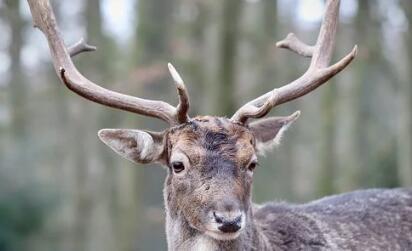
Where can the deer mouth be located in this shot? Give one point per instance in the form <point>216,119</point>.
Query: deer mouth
<point>221,236</point>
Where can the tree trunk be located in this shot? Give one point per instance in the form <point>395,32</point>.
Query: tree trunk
<point>327,159</point>
<point>405,117</point>
<point>153,29</point>
<point>17,87</point>
<point>225,103</point>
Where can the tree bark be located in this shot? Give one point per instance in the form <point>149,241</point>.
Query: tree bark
<point>225,103</point>
<point>17,88</point>
<point>405,118</point>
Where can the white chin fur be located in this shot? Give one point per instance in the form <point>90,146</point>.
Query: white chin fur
<point>223,236</point>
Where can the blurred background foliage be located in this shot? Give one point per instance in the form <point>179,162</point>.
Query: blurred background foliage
<point>61,189</point>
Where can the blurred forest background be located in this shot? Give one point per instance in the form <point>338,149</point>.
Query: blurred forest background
<point>61,189</point>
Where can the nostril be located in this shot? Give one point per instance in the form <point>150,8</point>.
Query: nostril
<point>238,219</point>
<point>217,218</point>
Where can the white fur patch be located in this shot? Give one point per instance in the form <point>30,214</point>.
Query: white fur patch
<point>263,147</point>
<point>204,243</point>
<point>119,140</point>
<point>146,144</point>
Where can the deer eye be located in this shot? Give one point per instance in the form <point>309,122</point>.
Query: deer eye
<point>178,166</point>
<point>252,166</point>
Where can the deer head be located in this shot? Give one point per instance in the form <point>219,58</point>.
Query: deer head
<point>210,160</point>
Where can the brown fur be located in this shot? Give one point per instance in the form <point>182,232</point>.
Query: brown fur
<point>212,135</point>
<point>218,151</point>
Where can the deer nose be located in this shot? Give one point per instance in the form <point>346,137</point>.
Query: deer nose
<point>229,222</point>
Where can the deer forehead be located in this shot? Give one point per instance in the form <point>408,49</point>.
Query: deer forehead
<point>204,136</point>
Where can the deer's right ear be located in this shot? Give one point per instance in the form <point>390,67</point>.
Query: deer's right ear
<point>135,145</point>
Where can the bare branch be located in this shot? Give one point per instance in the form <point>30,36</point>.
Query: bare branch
<point>79,47</point>
<point>319,71</point>
<point>292,42</point>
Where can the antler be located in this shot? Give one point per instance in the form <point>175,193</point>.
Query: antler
<point>44,19</point>
<point>318,72</point>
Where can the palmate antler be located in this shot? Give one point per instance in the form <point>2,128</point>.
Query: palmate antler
<point>44,19</point>
<point>317,74</point>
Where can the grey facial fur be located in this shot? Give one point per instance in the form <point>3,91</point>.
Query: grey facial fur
<point>376,219</point>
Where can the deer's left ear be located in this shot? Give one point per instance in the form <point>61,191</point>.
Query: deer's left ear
<point>268,132</point>
<point>135,145</point>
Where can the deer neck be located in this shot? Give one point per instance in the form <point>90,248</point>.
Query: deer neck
<point>181,236</point>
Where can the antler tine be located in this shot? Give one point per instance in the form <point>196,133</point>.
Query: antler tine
<point>44,19</point>
<point>183,106</point>
<point>79,47</point>
<point>252,111</point>
<point>318,72</point>
<point>293,43</point>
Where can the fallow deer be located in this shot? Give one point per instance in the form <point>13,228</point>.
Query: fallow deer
<point>210,162</point>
